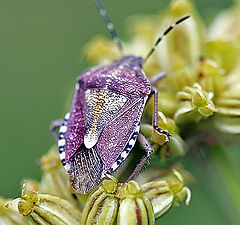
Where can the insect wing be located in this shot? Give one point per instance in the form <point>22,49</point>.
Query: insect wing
<point>117,133</point>
<point>75,125</point>
<point>85,169</point>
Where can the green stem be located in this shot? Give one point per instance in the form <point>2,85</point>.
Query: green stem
<point>228,174</point>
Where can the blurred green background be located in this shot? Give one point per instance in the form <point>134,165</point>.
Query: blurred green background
<point>40,58</point>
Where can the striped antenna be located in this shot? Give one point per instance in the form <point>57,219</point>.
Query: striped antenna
<point>162,36</point>
<point>109,24</point>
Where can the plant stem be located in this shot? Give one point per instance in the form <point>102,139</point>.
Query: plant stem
<point>228,174</point>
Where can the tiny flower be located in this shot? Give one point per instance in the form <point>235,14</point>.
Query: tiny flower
<point>117,203</point>
<point>195,104</point>
<point>9,214</point>
<point>160,195</point>
<point>43,208</point>
<point>224,51</point>
<point>102,205</point>
<point>135,207</point>
<point>167,192</point>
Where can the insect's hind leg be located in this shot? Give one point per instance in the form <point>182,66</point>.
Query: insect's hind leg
<point>149,149</point>
<point>54,125</point>
<point>155,116</point>
<point>157,77</point>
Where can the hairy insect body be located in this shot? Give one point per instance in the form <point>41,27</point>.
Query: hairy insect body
<point>103,123</point>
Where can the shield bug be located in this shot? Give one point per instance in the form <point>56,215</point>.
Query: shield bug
<point>102,125</point>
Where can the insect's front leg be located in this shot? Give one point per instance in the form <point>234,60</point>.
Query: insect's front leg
<point>155,116</point>
<point>156,78</point>
<point>54,125</point>
<point>149,150</point>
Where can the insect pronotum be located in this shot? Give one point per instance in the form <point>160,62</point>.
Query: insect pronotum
<point>102,125</point>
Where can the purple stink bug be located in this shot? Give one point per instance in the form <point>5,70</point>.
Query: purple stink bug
<point>102,125</point>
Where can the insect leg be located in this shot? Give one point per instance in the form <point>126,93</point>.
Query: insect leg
<point>155,116</point>
<point>54,125</point>
<point>157,77</point>
<point>148,148</point>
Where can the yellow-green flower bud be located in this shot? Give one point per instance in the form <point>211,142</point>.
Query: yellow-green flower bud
<point>160,195</point>
<point>166,192</point>
<point>9,214</point>
<point>135,207</point>
<point>167,103</point>
<point>102,205</point>
<point>195,103</point>
<point>47,209</point>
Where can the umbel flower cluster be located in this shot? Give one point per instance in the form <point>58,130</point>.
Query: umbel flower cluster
<point>52,201</point>
<point>198,99</point>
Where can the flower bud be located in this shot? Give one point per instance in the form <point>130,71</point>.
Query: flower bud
<point>211,76</point>
<point>195,104</point>
<point>135,207</point>
<point>9,214</point>
<point>160,195</point>
<point>102,205</point>
<point>47,209</point>
<point>166,192</point>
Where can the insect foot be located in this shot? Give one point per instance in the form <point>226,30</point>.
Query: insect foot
<point>166,141</point>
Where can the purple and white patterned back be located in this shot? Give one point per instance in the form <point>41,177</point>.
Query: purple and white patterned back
<point>104,117</point>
